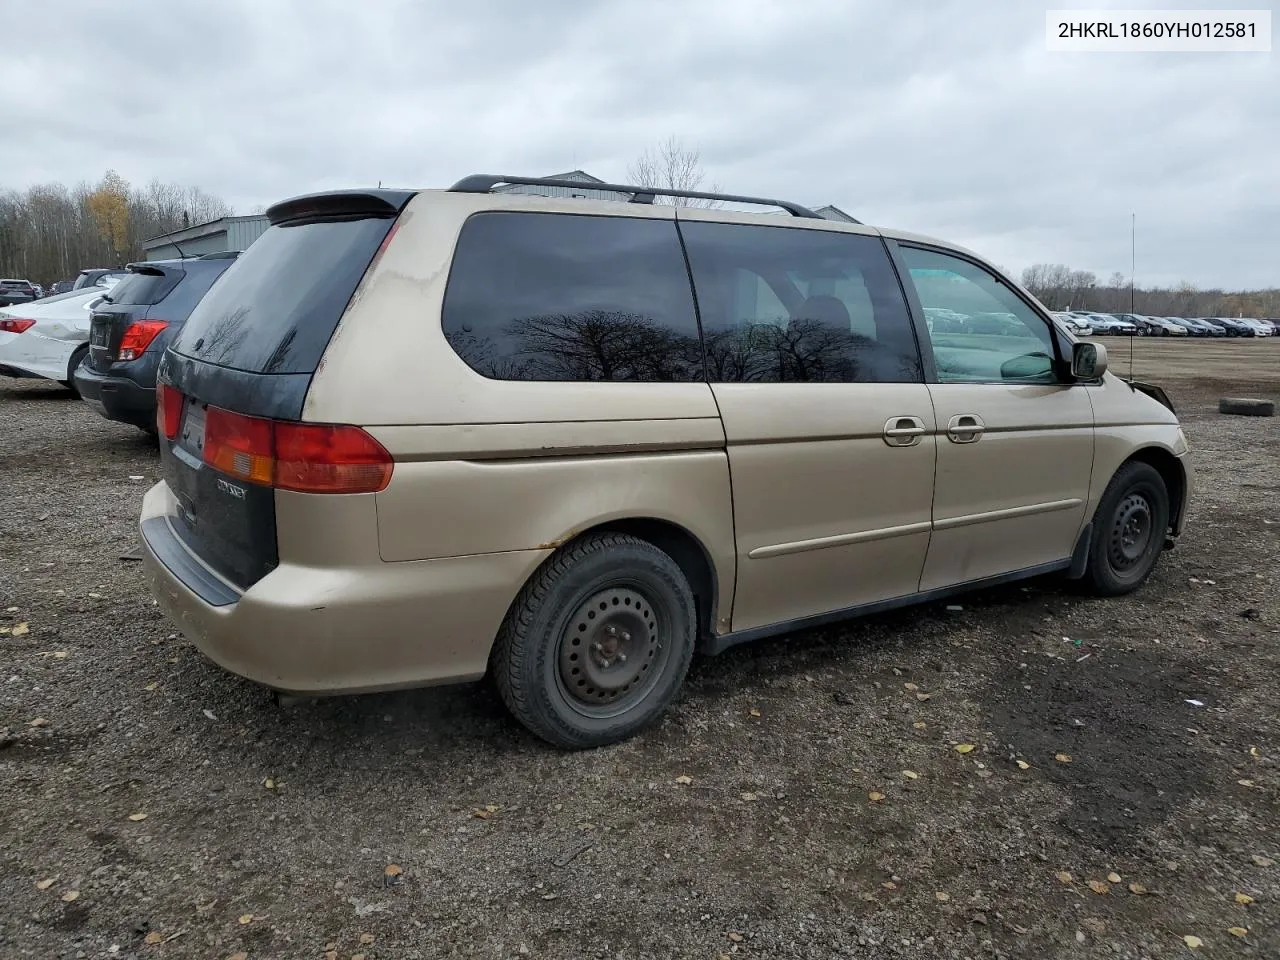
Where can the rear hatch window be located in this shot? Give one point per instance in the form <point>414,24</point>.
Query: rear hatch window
<point>145,287</point>
<point>279,304</point>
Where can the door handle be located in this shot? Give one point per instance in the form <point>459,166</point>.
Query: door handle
<point>965,428</point>
<point>903,431</point>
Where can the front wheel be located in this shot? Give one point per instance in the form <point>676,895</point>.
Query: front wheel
<point>597,643</point>
<point>1128,530</point>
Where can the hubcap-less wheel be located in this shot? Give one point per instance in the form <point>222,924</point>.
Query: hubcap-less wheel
<point>611,652</point>
<point>1130,533</point>
<point>598,641</point>
<point>1128,530</point>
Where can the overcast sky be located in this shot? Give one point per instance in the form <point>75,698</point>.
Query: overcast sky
<point>947,118</point>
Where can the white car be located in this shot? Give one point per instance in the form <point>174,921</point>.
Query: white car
<point>1076,324</point>
<point>1167,327</point>
<point>1260,329</point>
<point>47,339</point>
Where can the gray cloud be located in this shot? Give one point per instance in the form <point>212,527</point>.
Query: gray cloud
<point>946,118</point>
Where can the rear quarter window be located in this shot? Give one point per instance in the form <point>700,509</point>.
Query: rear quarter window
<point>535,296</point>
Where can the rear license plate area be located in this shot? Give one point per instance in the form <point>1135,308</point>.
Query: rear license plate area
<point>191,431</point>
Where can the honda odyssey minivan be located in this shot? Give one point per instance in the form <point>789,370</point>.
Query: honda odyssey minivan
<point>415,437</point>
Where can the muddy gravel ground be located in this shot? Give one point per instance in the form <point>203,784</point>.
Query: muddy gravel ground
<point>814,796</point>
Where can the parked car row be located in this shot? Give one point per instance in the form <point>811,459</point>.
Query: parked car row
<point>103,337</point>
<point>1087,323</point>
<point>48,338</point>
<point>15,291</point>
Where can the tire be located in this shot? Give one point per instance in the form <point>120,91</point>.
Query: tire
<point>631,607</point>
<point>1129,530</point>
<point>1246,407</point>
<point>77,358</point>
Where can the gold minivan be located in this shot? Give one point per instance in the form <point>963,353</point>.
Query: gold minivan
<point>415,437</point>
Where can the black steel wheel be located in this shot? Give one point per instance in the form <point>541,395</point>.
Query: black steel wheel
<point>598,642</point>
<point>1129,530</point>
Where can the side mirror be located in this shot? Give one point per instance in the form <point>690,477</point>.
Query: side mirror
<point>1088,360</point>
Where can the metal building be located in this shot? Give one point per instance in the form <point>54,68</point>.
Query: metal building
<point>578,176</point>
<point>227,233</point>
<point>831,212</point>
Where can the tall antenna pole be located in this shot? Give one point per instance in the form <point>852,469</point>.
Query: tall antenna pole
<point>1133,265</point>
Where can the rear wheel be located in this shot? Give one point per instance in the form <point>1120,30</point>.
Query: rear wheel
<point>73,364</point>
<point>597,643</point>
<point>1128,530</point>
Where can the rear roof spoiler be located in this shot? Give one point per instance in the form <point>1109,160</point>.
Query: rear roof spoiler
<point>155,268</point>
<point>339,205</point>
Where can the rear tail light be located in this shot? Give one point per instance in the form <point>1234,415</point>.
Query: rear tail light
<point>241,446</point>
<point>329,458</point>
<point>168,410</point>
<point>304,457</point>
<point>138,337</point>
<point>14,325</point>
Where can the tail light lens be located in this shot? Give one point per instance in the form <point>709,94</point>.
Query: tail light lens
<point>329,458</point>
<point>304,457</point>
<point>168,410</point>
<point>138,337</point>
<point>14,325</point>
<point>241,446</point>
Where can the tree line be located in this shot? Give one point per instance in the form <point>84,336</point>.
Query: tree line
<point>51,231</point>
<point>1060,288</point>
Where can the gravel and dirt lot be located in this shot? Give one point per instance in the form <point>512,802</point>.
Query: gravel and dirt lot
<point>886,788</point>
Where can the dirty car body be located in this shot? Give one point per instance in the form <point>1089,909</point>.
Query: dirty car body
<point>412,437</point>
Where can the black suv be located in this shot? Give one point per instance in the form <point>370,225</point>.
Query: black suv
<point>130,328</point>
<point>13,292</point>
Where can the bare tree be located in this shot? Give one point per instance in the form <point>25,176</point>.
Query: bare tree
<point>674,166</point>
<point>49,232</point>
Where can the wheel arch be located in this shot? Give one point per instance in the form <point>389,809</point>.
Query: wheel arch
<point>74,361</point>
<point>1173,474</point>
<point>689,553</point>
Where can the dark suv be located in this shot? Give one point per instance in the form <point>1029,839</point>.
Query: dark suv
<point>13,292</point>
<point>130,328</point>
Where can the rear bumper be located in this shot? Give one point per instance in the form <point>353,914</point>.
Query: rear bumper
<point>310,630</point>
<point>117,398</point>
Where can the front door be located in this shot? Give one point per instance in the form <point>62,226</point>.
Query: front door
<point>828,421</point>
<point>1015,443</point>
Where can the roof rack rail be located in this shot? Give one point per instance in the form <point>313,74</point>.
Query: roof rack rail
<point>485,182</point>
